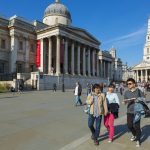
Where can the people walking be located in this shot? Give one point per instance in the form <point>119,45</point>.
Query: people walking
<point>54,87</point>
<point>18,86</point>
<point>98,107</point>
<point>121,88</point>
<point>130,97</point>
<point>77,93</point>
<point>88,88</point>
<point>113,107</point>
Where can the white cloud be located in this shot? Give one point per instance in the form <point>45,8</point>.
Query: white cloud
<point>134,38</point>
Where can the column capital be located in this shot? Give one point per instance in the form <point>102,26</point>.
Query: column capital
<point>49,37</point>
<point>58,36</point>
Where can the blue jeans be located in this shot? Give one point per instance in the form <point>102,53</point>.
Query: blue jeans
<point>91,120</point>
<point>78,100</point>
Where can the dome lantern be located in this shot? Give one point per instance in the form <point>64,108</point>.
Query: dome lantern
<point>57,1</point>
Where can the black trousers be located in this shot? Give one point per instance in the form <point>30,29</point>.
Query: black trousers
<point>134,127</point>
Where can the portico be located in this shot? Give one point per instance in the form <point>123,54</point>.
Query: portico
<point>65,53</point>
<point>142,70</point>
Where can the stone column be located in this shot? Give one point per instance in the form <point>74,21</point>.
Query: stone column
<point>27,51</point>
<point>97,64</point>
<point>110,70</point>
<point>101,68</point>
<point>141,75</point>
<point>108,74</point>
<point>66,57</point>
<point>93,59</point>
<point>42,56</point>
<point>137,75</point>
<point>104,69</point>
<point>72,58</point>
<point>50,57</point>
<point>13,54</point>
<point>79,59</point>
<point>89,63</point>
<point>84,62</point>
<point>146,75</point>
<point>58,56</point>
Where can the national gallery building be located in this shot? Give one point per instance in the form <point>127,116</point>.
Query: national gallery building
<point>55,49</point>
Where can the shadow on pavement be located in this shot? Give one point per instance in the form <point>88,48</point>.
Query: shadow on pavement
<point>8,97</point>
<point>119,131</point>
<point>145,133</point>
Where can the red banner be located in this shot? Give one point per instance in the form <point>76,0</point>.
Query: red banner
<point>38,47</point>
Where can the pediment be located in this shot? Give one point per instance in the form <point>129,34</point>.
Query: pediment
<point>83,33</point>
<point>143,64</point>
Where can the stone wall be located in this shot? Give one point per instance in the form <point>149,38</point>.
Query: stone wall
<point>46,81</point>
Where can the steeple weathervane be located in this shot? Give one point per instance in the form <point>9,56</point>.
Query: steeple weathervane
<point>57,1</point>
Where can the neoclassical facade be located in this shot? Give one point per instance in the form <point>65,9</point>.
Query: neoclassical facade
<point>142,70</point>
<point>63,48</point>
<point>110,65</point>
<point>68,50</point>
<point>54,48</point>
<point>17,46</point>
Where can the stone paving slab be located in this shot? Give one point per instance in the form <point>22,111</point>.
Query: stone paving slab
<point>49,121</point>
<point>121,140</point>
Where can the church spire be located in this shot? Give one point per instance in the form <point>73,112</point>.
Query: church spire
<point>149,24</point>
<point>57,1</point>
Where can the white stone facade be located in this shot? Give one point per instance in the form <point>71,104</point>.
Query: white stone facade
<point>110,67</point>
<point>142,70</point>
<point>65,51</point>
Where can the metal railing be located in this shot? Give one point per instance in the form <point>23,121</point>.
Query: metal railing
<point>7,77</point>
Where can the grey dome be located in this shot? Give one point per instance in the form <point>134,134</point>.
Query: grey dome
<point>57,9</point>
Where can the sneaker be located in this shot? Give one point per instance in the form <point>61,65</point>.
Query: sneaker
<point>110,141</point>
<point>138,144</point>
<point>133,138</point>
<point>96,142</point>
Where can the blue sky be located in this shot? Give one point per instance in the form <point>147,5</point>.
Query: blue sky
<point>118,23</point>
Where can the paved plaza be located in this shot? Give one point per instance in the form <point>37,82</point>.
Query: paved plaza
<point>49,120</point>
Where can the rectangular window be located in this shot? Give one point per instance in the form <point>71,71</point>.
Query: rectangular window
<point>20,45</point>
<point>31,68</point>
<point>3,44</point>
<point>19,68</point>
<point>1,67</point>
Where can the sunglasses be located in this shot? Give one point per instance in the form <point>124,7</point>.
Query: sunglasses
<point>129,83</point>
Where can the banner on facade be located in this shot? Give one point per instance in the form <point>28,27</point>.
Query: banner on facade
<point>38,54</point>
